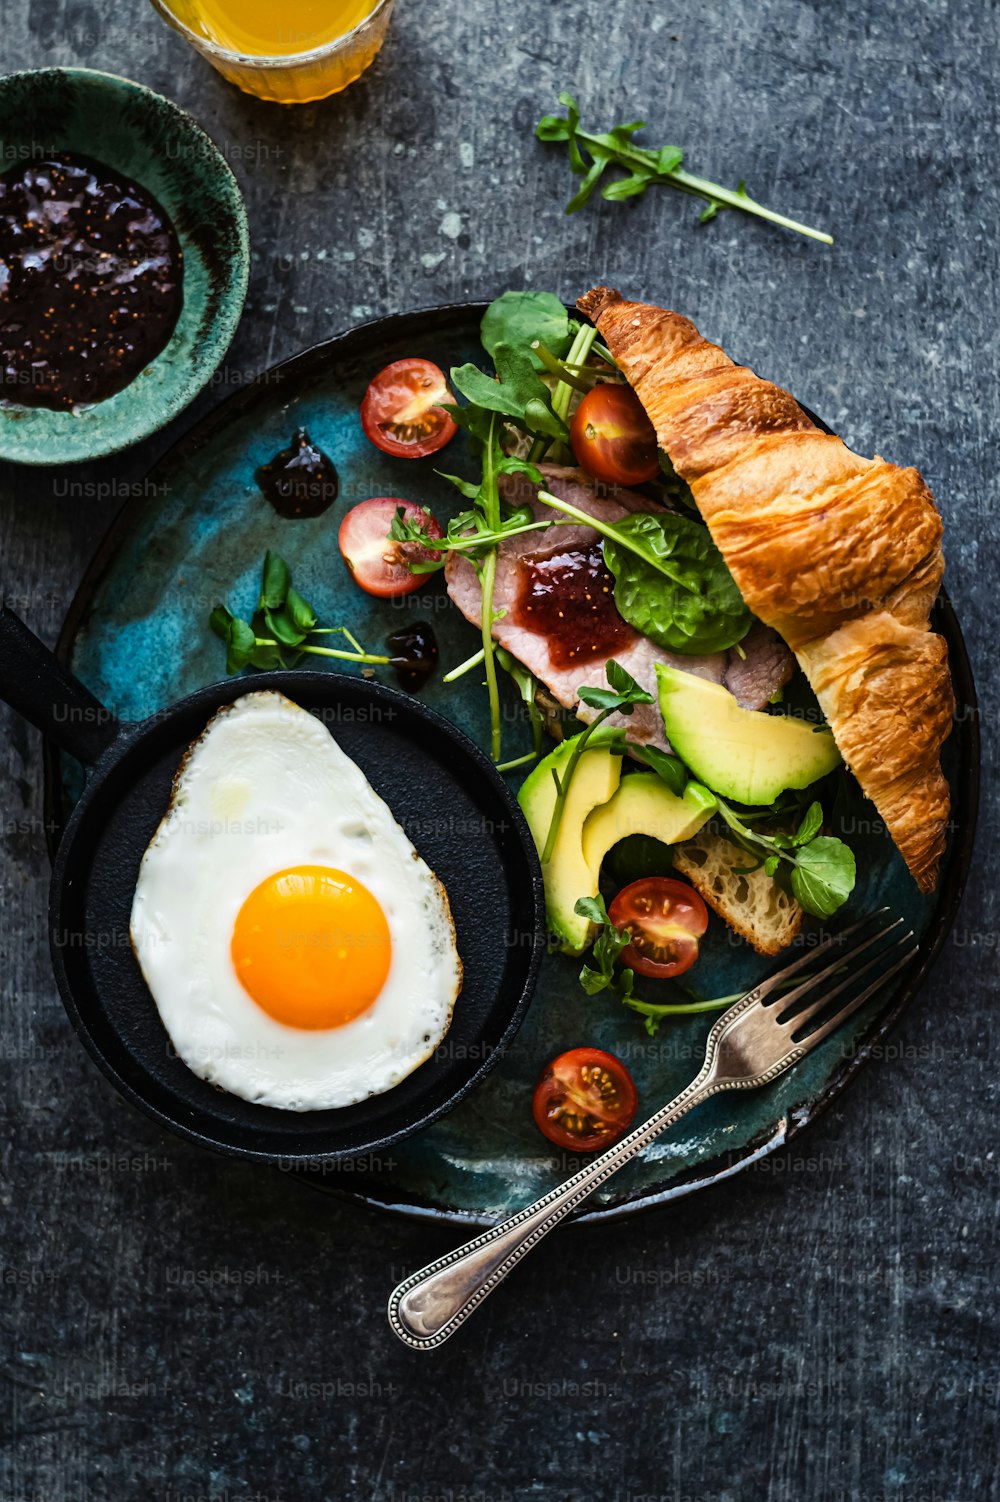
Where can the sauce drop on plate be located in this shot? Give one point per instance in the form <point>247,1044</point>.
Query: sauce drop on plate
<point>90,282</point>
<point>414,651</point>
<point>300,480</point>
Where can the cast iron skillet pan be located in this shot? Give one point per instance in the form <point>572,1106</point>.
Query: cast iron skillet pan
<point>440,787</point>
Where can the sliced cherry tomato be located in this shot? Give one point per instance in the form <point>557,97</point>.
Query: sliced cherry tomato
<point>377,563</point>
<point>666,918</point>
<point>585,1099</point>
<point>612,437</point>
<point>402,412</point>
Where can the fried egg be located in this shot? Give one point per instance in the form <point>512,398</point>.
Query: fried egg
<point>300,952</point>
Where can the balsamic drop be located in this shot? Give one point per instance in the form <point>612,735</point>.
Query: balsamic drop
<point>414,651</point>
<point>300,480</point>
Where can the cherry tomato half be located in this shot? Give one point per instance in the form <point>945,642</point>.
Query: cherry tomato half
<point>377,563</point>
<point>402,412</point>
<point>665,918</point>
<point>612,437</point>
<point>584,1099</point>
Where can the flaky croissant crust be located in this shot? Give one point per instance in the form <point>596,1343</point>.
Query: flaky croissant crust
<point>840,554</point>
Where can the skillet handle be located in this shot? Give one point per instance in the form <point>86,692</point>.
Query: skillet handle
<point>35,684</point>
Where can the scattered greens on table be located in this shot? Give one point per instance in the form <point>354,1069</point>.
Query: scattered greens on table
<point>590,155</point>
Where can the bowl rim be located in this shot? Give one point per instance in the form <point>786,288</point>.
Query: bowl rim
<point>225,323</point>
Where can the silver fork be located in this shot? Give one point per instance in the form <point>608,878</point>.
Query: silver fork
<point>754,1041</point>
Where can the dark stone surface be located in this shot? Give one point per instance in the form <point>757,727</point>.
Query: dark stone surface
<point>823,1327</point>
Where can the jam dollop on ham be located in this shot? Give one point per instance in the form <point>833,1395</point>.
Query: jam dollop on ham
<point>559,617</point>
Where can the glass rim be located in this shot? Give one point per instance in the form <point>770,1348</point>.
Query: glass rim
<point>260,60</point>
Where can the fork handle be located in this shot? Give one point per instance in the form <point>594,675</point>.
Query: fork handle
<point>429,1305</point>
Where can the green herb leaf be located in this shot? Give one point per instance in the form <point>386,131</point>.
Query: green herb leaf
<point>520,318</point>
<point>824,875</point>
<point>238,636</point>
<point>812,823</point>
<point>518,393</point>
<point>599,973</point>
<point>301,612</point>
<point>276,577</point>
<point>590,154</point>
<point>280,625</point>
<point>672,584</point>
<point>670,768</point>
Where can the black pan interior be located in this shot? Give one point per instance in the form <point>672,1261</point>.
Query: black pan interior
<point>457,811</point>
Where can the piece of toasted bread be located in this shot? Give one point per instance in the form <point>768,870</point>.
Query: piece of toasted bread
<point>753,906</point>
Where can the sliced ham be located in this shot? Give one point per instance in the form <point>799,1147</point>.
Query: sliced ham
<point>752,678</point>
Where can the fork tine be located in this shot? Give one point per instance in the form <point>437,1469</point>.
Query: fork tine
<point>767,986</point>
<point>822,1002</point>
<point>807,986</point>
<point>832,1023</point>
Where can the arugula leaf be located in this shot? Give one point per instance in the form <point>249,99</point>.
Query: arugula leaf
<point>520,319</point>
<point>624,694</point>
<point>590,155</point>
<point>518,393</point>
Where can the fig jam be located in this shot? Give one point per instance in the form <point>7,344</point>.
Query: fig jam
<point>414,651</point>
<point>300,480</point>
<point>569,598</point>
<point>90,282</point>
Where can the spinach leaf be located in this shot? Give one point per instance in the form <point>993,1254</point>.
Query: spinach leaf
<point>672,584</point>
<point>519,319</point>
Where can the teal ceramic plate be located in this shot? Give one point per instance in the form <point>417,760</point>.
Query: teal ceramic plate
<point>137,635</point>
<point>146,137</point>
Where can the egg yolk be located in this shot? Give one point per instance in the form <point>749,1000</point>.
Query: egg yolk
<point>311,946</point>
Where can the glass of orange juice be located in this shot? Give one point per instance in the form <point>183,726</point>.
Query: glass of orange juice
<point>290,51</point>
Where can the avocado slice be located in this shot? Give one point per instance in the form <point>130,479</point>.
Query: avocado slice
<point>644,804</point>
<point>567,875</point>
<point>742,754</point>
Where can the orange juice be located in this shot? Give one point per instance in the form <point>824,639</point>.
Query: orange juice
<point>307,48</point>
<point>276,28</point>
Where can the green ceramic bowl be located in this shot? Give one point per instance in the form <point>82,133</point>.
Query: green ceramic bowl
<point>144,136</point>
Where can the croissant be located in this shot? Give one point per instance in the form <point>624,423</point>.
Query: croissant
<point>840,554</point>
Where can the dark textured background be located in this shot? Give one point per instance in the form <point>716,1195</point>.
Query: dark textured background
<point>176,1327</point>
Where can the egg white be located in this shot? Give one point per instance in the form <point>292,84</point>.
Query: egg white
<point>266,787</point>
